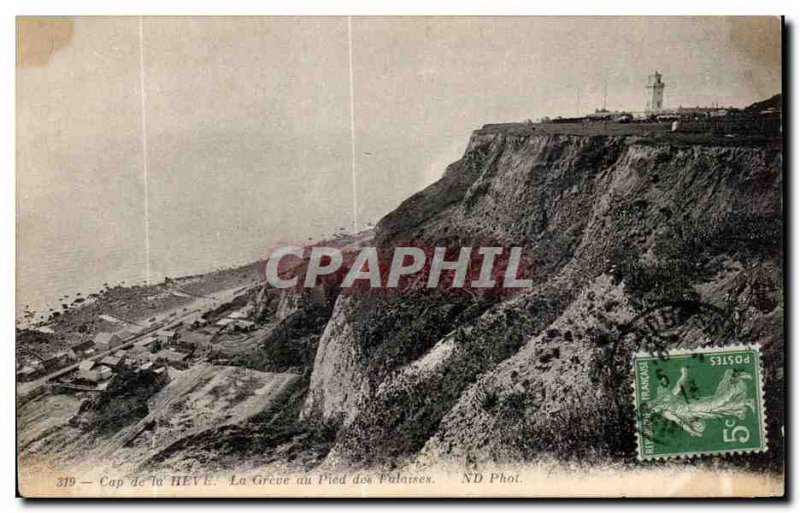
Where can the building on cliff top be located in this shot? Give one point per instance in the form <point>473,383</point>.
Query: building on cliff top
<point>655,94</point>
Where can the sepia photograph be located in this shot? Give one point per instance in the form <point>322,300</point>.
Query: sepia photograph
<point>399,256</point>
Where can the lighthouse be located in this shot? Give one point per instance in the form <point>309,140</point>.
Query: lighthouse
<point>655,93</point>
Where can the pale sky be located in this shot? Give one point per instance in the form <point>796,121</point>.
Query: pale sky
<point>248,121</point>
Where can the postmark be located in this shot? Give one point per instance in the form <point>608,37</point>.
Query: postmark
<point>694,402</point>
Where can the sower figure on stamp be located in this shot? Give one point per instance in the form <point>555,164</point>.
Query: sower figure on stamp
<point>729,400</point>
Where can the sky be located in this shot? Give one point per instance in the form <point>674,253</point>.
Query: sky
<point>168,145</point>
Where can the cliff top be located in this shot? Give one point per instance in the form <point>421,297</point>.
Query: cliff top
<point>657,132</point>
<point>756,125</point>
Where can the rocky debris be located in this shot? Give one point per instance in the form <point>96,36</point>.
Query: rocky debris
<point>404,411</point>
<point>123,402</point>
<point>371,335</point>
<point>556,395</point>
<point>336,381</point>
<point>289,344</point>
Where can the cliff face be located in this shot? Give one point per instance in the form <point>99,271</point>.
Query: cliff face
<point>619,227</point>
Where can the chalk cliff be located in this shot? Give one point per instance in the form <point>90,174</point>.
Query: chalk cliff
<point>621,228</point>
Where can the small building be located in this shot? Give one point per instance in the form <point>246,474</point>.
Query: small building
<point>105,373</point>
<point>172,358</point>
<point>134,329</point>
<point>149,342</point>
<point>30,373</point>
<point>98,374</point>
<point>113,362</point>
<point>86,365</point>
<point>86,370</point>
<point>167,336</point>
<point>188,341</point>
<point>138,355</point>
<point>82,349</point>
<point>600,115</point>
<point>125,335</point>
<point>125,361</point>
<point>56,361</point>
<point>105,341</point>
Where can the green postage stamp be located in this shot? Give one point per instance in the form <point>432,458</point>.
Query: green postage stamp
<point>703,401</point>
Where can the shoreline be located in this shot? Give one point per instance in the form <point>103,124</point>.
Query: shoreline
<point>32,313</point>
<point>115,307</point>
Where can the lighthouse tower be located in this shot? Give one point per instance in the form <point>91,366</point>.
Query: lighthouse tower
<point>655,93</point>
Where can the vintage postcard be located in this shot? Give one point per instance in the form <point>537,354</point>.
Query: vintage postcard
<point>403,257</point>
